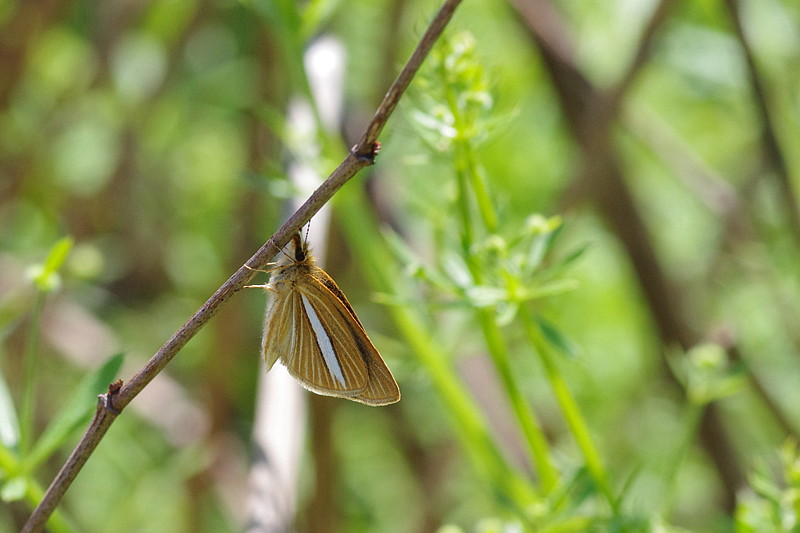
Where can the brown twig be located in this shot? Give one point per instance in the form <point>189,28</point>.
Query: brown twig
<point>773,153</point>
<point>360,156</point>
<point>643,50</point>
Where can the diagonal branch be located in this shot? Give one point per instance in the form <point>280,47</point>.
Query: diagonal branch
<point>119,396</point>
<point>772,151</point>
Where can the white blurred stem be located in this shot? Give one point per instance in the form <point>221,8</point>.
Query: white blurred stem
<point>281,404</point>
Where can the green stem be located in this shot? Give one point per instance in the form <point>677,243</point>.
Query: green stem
<point>481,192</point>
<point>692,417</point>
<point>472,430</point>
<point>526,417</point>
<point>468,173</point>
<point>467,235</point>
<point>568,406</point>
<point>12,468</point>
<point>31,357</point>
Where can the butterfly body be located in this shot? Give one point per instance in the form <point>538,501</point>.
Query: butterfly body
<point>312,329</point>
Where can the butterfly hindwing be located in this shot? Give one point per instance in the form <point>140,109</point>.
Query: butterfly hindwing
<point>279,323</point>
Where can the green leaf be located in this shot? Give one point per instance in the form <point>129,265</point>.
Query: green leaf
<point>457,271</point>
<point>14,489</point>
<point>76,412</point>
<point>45,276</point>
<point>315,14</point>
<point>483,296</point>
<point>556,338</point>
<point>402,252</point>
<point>552,288</point>
<point>544,231</point>
<point>574,255</point>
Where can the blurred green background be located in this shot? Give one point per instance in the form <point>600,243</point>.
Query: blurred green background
<point>578,252</point>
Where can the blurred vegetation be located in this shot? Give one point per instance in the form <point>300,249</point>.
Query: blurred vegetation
<point>578,252</point>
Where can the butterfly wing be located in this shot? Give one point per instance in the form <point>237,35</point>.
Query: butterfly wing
<point>380,387</point>
<point>335,365</point>
<point>278,328</point>
<point>313,330</point>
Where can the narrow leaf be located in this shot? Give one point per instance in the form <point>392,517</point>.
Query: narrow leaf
<point>557,339</point>
<point>76,412</point>
<point>45,276</point>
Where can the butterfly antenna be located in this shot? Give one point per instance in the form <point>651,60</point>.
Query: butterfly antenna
<point>283,251</point>
<point>267,271</point>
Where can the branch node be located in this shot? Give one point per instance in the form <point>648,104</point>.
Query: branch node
<point>368,157</point>
<point>107,400</point>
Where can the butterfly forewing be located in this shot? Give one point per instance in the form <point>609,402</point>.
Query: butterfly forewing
<point>321,360</point>
<point>381,388</point>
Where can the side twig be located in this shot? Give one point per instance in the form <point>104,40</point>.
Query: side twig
<point>119,396</point>
<point>772,151</point>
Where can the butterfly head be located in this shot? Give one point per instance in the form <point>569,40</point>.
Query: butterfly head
<point>300,248</point>
<point>295,252</point>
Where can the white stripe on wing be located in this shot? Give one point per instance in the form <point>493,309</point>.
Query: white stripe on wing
<point>324,342</point>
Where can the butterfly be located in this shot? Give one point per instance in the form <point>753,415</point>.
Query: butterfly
<point>312,329</point>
